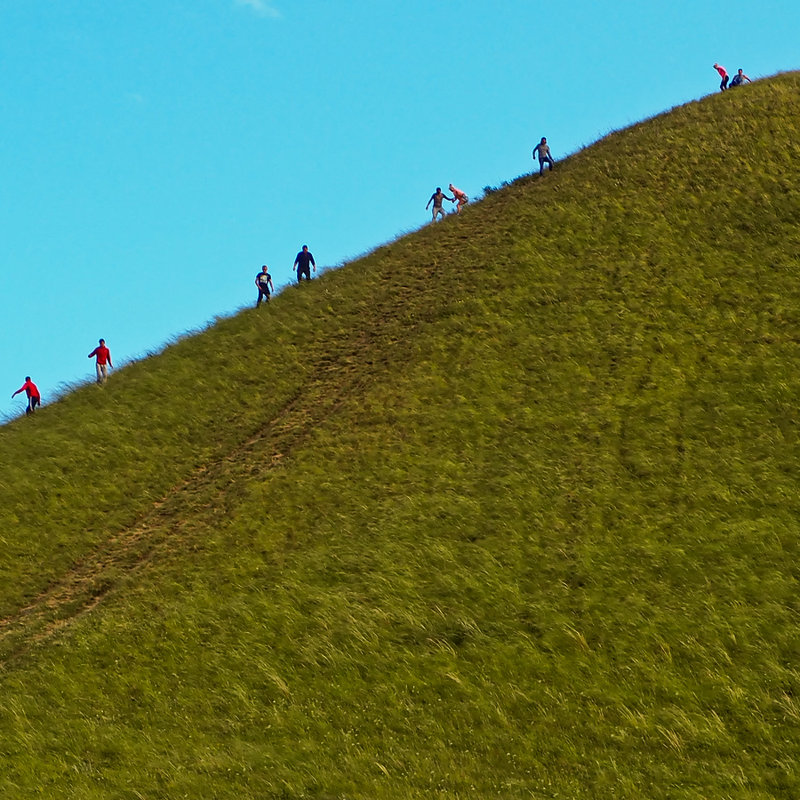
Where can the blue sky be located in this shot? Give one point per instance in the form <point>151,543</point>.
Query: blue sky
<point>155,154</point>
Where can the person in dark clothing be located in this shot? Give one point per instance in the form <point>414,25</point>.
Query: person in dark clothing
<point>543,151</point>
<point>302,264</point>
<point>34,398</point>
<point>264,284</point>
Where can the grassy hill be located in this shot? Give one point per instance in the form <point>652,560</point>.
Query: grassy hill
<point>507,508</point>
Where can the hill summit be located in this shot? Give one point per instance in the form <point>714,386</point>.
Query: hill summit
<point>507,508</point>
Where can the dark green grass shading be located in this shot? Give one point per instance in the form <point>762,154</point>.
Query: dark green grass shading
<point>507,508</point>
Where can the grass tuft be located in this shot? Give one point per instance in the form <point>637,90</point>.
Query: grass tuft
<point>505,508</point>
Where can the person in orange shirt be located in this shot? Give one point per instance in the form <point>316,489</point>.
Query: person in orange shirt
<point>103,355</point>
<point>459,196</point>
<point>34,398</point>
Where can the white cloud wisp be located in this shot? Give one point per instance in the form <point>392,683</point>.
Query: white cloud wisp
<point>260,7</point>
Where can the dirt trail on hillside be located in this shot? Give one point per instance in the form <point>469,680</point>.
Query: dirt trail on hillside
<point>200,501</point>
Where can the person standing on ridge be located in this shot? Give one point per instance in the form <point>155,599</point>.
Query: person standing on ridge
<point>34,398</point>
<point>302,262</point>
<point>738,79</point>
<point>723,73</point>
<point>543,151</point>
<point>103,355</point>
<point>264,284</point>
<point>436,198</point>
<point>459,196</point>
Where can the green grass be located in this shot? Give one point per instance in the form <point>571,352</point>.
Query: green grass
<point>507,508</point>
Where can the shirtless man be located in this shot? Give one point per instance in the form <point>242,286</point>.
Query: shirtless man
<point>436,198</point>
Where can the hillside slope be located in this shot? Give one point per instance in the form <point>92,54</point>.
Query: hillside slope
<point>507,508</point>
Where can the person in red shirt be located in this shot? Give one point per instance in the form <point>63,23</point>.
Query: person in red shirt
<point>723,73</point>
<point>34,398</point>
<point>103,355</point>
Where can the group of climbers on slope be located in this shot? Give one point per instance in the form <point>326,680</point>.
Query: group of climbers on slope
<point>304,261</point>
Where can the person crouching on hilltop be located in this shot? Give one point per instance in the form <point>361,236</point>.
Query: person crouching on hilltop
<point>459,196</point>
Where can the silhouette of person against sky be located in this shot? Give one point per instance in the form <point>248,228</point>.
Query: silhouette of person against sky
<point>302,262</point>
<point>436,198</point>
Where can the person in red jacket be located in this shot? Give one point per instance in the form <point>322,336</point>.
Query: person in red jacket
<point>34,398</point>
<point>103,355</point>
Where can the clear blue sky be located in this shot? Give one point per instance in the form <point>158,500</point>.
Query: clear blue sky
<point>155,154</point>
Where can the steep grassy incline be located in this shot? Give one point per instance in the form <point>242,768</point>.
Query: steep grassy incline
<point>507,508</point>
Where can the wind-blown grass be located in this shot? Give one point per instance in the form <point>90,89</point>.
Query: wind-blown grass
<point>507,508</point>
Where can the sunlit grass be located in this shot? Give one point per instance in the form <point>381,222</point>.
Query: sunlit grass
<point>507,508</point>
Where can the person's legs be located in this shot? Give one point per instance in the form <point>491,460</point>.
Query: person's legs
<point>101,371</point>
<point>262,293</point>
<point>724,85</point>
<point>550,162</point>
<point>303,270</point>
<point>541,166</point>
<point>32,403</point>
